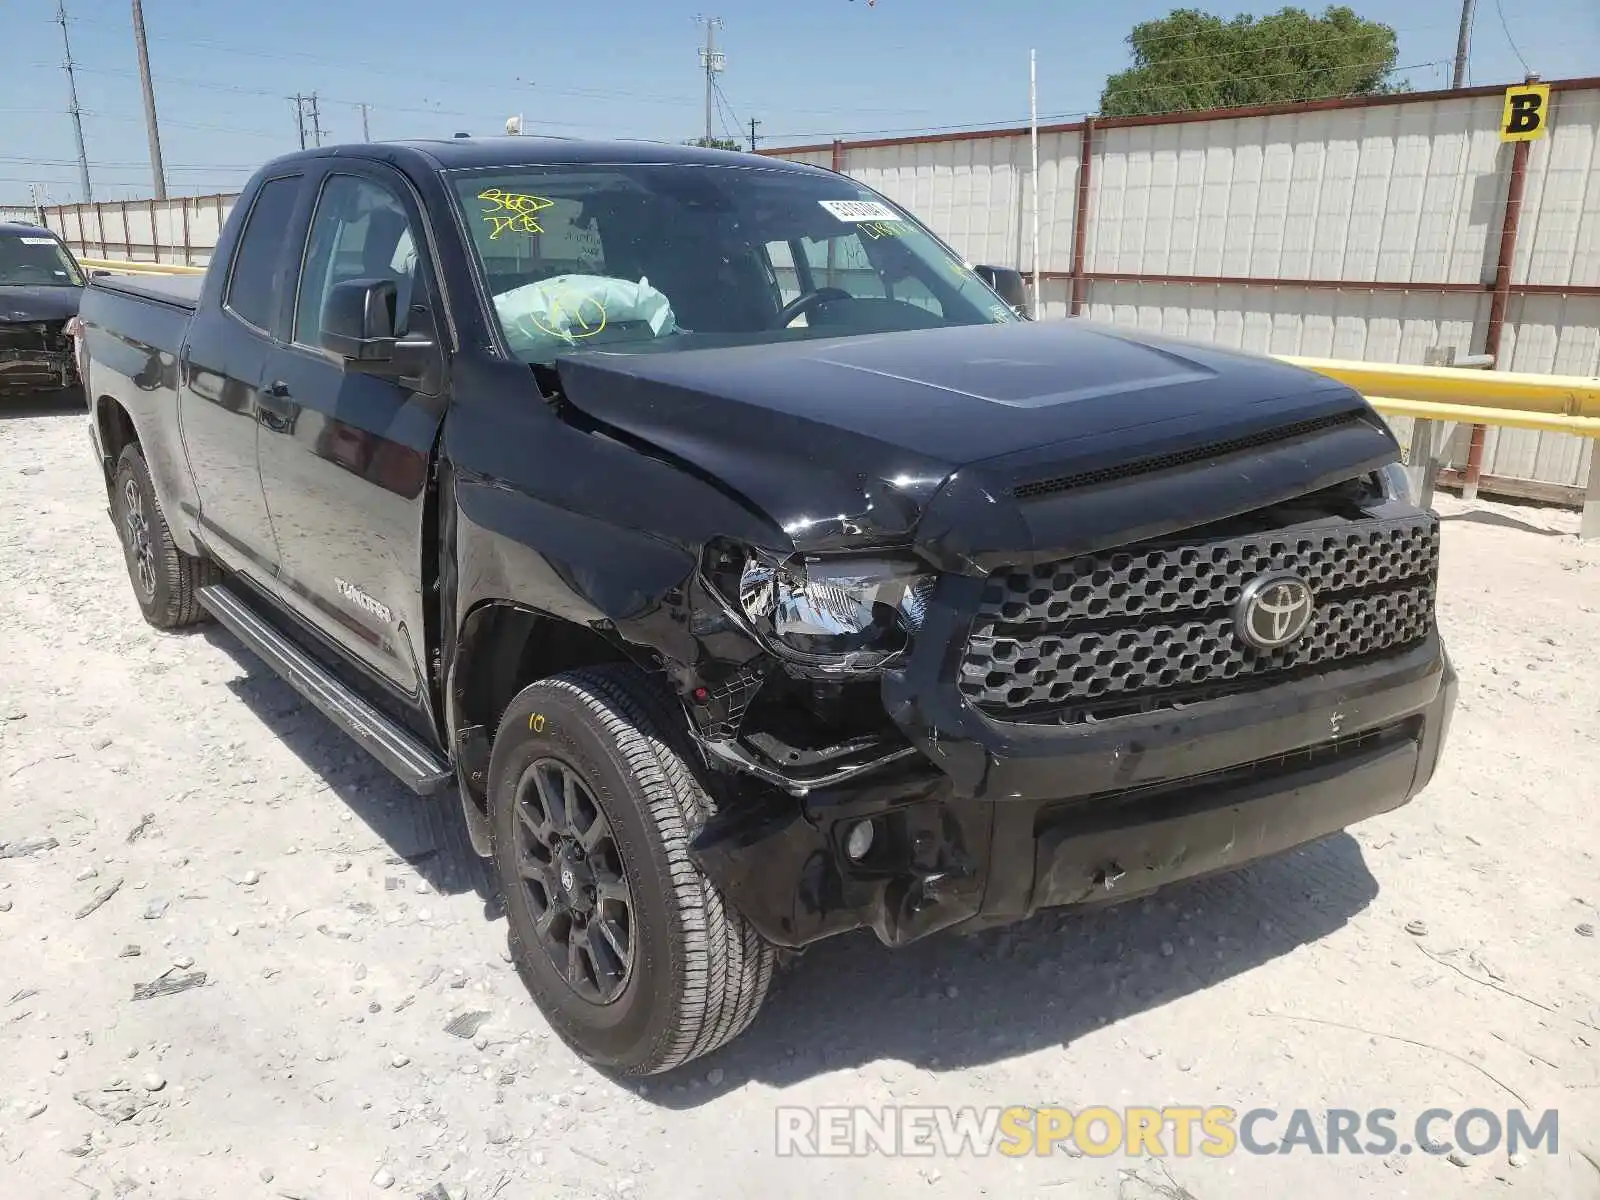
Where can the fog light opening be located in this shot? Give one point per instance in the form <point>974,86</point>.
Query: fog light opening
<point>858,842</point>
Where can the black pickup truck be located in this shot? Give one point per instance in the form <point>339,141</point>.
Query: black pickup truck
<point>747,564</point>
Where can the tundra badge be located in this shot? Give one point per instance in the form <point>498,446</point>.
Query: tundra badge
<point>361,600</point>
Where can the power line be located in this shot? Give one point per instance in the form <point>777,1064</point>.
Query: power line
<point>1150,88</point>
<point>346,68</point>
<point>1509,41</point>
<point>99,163</point>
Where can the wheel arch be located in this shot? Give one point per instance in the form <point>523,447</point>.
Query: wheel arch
<point>115,426</point>
<point>500,648</point>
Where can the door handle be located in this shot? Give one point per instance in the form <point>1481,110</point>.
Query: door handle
<point>275,410</point>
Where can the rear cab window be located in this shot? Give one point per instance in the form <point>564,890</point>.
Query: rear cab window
<point>251,294</point>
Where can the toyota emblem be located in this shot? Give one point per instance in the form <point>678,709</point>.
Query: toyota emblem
<point>1273,610</point>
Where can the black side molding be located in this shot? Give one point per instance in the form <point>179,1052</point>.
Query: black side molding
<point>417,766</point>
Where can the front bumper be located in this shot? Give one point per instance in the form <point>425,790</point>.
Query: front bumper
<point>998,820</point>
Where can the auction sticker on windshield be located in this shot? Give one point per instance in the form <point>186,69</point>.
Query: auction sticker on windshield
<point>860,210</point>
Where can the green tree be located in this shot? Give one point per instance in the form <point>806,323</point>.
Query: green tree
<point>1191,60</point>
<point>714,143</point>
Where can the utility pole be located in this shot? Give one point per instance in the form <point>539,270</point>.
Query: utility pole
<point>151,128</point>
<point>1463,44</point>
<point>1033,125</point>
<point>300,117</point>
<point>713,60</point>
<point>753,124</point>
<point>365,136</point>
<point>72,93</point>
<point>316,120</point>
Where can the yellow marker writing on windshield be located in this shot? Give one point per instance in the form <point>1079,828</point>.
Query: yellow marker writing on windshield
<point>881,229</point>
<point>512,211</point>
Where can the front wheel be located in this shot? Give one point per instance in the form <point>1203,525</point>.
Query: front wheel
<point>632,955</point>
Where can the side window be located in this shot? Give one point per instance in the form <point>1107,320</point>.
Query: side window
<point>360,231</point>
<point>912,290</point>
<point>255,261</point>
<point>842,262</point>
<point>785,273</point>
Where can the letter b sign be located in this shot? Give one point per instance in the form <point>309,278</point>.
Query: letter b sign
<point>1526,113</point>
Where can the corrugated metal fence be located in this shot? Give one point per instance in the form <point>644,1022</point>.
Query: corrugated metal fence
<point>1362,228</point>
<point>1366,228</point>
<point>181,230</point>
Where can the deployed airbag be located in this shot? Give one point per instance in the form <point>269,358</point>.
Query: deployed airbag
<point>569,309</point>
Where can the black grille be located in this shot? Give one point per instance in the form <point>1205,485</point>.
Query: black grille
<point>1147,626</point>
<point>1165,462</point>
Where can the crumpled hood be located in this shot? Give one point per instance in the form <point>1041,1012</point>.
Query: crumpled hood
<point>32,303</point>
<point>849,438</point>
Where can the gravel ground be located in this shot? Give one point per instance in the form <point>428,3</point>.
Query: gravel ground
<point>203,822</point>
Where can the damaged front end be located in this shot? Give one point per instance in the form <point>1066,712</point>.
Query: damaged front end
<point>839,821</point>
<point>36,356</point>
<point>1009,673</point>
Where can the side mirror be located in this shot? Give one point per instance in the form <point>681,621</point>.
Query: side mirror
<point>358,320</point>
<point>1008,284</point>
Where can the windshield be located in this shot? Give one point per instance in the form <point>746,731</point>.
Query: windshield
<point>684,256</point>
<point>36,260</point>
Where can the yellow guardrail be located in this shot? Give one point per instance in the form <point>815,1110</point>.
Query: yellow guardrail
<point>1474,414</point>
<point>138,268</point>
<point>1560,403</point>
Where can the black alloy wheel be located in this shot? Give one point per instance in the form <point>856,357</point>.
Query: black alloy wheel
<point>571,867</point>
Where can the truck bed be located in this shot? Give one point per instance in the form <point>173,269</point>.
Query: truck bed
<point>179,291</point>
<point>135,330</point>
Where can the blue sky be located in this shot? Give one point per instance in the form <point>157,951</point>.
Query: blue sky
<point>808,70</point>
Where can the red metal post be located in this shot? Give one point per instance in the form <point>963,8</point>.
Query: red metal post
<point>1497,304</point>
<point>1080,216</point>
<point>838,155</point>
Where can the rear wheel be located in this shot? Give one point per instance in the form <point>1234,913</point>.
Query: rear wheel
<point>165,579</point>
<point>631,953</point>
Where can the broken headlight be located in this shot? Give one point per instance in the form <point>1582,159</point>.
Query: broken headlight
<point>1396,483</point>
<point>835,615</point>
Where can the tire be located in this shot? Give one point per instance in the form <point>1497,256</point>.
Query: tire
<point>695,971</point>
<point>165,579</point>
